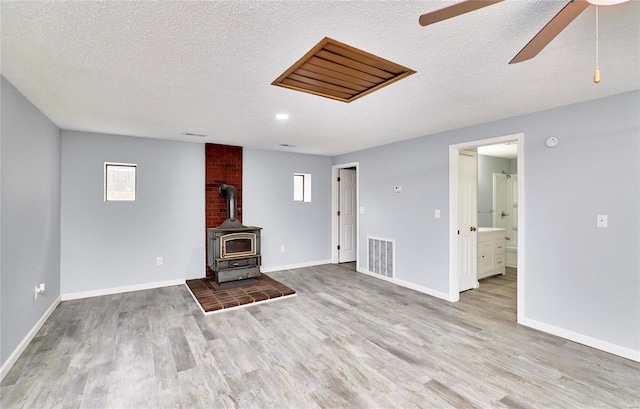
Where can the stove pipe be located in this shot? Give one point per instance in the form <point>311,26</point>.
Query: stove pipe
<point>232,206</point>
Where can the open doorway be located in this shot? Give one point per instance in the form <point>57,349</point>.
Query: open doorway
<point>506,222</point>
<point>345,215</point>
<point>498,203</point>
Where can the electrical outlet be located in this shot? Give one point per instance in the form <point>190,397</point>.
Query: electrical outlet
<point>282,248</point>
<point>159,261</point>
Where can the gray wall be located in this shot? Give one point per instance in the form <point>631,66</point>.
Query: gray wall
<point>115,244</point>
<point>267,196</point>
<point>487,166</point>
<point>578,277</point>
<point>30,216</point>
<point>421,167</point>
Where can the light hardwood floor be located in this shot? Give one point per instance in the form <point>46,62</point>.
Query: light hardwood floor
<point>346,341</point>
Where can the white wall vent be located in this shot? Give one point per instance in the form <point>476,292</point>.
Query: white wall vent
<point>381,256</point>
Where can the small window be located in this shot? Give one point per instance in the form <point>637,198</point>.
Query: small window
<point>119,182</point>
<point>301,187</point>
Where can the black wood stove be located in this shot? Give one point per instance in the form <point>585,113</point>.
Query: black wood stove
<point>233,250</point>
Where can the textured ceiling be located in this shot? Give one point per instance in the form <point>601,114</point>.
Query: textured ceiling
<point>502,150</point>
<point>160,69</point>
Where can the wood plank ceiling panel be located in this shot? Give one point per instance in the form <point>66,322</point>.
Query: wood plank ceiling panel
<point>331,80</point>
<point>356,65</point>
<point>338,71</point>
<point>334,74</point>
<point>321,83</point>
<point>313,89</point>
<point>374,62</point>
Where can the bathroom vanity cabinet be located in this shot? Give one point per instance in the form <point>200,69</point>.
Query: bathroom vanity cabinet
<point>491,252</point>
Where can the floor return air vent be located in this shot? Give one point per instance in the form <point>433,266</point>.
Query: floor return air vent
<point>381,256</point>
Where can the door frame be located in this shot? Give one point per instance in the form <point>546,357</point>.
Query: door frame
<point>335,206</point>
<point>454,294</point>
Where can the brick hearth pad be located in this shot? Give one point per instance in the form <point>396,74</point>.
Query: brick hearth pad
<point>213,300</point>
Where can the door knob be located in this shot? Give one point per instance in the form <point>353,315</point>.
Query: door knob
<point>472,228</point>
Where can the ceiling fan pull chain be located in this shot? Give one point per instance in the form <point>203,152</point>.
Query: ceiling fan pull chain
<point>596,75</point>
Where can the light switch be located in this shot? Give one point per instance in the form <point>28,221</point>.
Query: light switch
<point>397,189</point>
<point>437,214</point>
<point>362,210</point>
<point>602,220</point>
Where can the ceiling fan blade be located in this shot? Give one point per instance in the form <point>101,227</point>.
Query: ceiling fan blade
<point>455,10</point>
<point>551,30</point>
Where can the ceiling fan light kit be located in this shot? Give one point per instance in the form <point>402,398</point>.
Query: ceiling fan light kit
<point>554,27</point>
<point>606,2</point>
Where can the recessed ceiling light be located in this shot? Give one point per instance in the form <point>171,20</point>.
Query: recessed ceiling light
<point>282,117</point>
<point>286,145</point>
<point>193,134</point>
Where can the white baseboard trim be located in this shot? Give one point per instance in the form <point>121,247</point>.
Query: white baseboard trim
<point>416,287</point>
<point>118,290</point>
<point>292,266</point>
<point>8,364</point>
<point>596,343</point>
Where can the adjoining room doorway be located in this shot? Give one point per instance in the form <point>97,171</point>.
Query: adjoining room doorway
<point>460,255</point>
<point>345,214</point>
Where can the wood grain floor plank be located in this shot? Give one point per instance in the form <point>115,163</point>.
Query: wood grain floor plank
<point>180,348</point>
<point>346,341</point>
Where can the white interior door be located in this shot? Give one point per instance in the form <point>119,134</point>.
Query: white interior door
<point>467,217</point>
<point>347,216</point>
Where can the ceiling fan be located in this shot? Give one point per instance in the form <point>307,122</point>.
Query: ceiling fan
<point>537,43</point>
